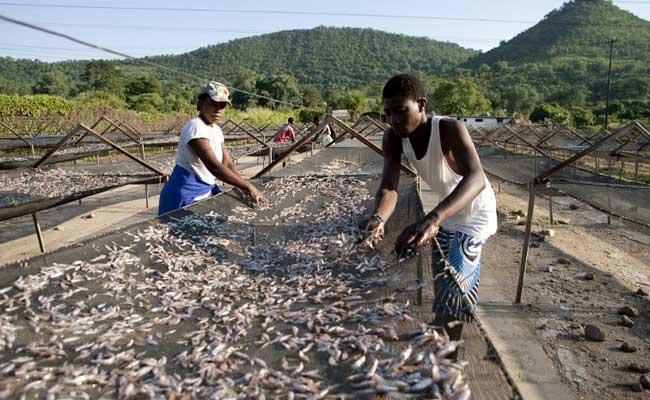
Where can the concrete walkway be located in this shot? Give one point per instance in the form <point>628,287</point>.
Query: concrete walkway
<point>512,336</point>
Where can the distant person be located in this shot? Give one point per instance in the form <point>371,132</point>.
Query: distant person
<point>285,133</point>
<point>202,156</point>
<point>444,156</point>
<point>326,135</point>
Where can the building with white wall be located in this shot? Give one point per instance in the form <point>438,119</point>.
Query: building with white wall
<point>487,122</point>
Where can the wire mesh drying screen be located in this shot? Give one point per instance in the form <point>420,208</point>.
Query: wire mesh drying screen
<point>606,193</point>
<point>26,185</point>
<point>220,300</point>
<point>512,167</point>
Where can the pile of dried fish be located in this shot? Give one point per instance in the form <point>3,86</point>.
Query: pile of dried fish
<point>243,151</point>
<point>256,305</point>
<point>53,182</point>
<point>12,159</point>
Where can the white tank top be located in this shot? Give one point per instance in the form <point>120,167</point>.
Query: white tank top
<point>479,219</point>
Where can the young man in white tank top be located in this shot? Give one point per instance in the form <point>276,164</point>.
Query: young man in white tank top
<point>444,156</point>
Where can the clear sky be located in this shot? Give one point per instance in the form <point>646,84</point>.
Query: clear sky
<point>153,32</point>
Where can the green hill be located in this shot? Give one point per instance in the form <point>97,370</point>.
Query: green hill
<point>580,28</point>
<point>564,59</point>
<point>324,57</point>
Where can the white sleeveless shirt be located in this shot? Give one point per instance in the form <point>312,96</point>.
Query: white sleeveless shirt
<point>479,219</point>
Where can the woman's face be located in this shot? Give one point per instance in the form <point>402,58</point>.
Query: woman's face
<point>212,111</point>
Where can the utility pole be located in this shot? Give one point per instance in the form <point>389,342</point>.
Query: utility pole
<point>609,81</point>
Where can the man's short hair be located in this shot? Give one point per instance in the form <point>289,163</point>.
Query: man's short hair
<point>406,85</point>
<point>291,120</point>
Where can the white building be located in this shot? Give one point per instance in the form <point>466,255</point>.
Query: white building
<point>486,122</point>
<point>343,115</point>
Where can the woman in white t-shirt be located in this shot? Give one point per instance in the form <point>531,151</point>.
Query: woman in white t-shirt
<point>202,156</point>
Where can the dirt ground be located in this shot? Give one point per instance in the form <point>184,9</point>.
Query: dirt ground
<point>582,274</point>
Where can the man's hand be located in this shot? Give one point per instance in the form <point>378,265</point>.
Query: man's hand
<point>258,197</point>
<point>416,235</point>
<point>372,230</point>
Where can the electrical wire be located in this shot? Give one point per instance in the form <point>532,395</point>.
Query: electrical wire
<point>309,13</point>
<point>141,60</point>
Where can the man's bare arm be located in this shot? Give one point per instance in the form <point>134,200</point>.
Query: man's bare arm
<point>455,138</point>
<point>386,198</point>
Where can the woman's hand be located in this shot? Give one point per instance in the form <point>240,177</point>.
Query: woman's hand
<point>258,197</point>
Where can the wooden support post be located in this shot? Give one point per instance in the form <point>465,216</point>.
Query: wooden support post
<point>56,147</point>
<point>368,143</point>
<point>418,266</point>
<point>146,195</point>
<point>550,209</point>
<point>609,167</point>
<point>418,280</point>
<point>636,171</point>
<point>527,234</point>
<point>39,234</point>
<point>122,151</point>
<point>622,170</point>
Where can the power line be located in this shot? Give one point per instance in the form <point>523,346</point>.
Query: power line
<point>148,27</point>
<point>308,13</point>
<point>117,53</point>
<point>78,49</point>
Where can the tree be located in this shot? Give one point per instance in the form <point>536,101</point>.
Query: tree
<point>551,112</point>
<point>521,98</point>
<point>246,80</point>
<point>142,85</point>
<point>147,102</point>
<point>54,83</point>
<point>571,95</point>
<point>311,96</point>
<point>103,75</point>
<point>174,102</point>
<point>354,101</point>
<point>7,86</point>
<point>98,96</point>
<point>616,107</point>
<point>279,87</point>
<point>459,97</point>
<point>582,117</point>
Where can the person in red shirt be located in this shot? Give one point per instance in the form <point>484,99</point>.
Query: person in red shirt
<point>285,133</point>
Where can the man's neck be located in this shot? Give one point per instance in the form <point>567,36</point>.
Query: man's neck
<point>422,130</point>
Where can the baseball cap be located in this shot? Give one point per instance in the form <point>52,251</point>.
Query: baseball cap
<point>217,91</point>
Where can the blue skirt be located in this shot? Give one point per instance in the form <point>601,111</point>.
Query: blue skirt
<point>463,253</point>
<point>182,188</point>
